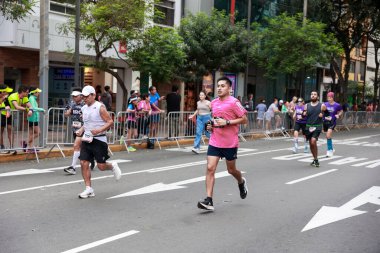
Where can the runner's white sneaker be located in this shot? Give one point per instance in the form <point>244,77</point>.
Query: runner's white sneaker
<point>88,193</point>
<point>116,171</point>
<point>329,153</point>
<point>195,150</point>
<point>295,151</point>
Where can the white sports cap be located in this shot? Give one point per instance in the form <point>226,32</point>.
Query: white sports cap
<point>87,90</point>
<point>76,93</point>
<point>281,101</point>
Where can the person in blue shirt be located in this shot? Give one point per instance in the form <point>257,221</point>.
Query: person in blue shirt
<point>155,116</point>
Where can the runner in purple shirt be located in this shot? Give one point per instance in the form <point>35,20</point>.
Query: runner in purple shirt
<point>329,122</point>
<point>300,124</point>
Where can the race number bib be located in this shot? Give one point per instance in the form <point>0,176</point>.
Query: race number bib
<point>77,124</point>
<point>87,137</point>
<point>312,129</point>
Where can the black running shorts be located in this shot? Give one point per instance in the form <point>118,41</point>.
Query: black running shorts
<point>300,126</point>
<point>229,153</point>
<point>96,149</point>
<point>315,134</point>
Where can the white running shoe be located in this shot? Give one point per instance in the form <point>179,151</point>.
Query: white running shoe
<point>116,171</point>
<point>88,193</point>
<point>295,151</point>
<point>329,153</point>
<point>306,149</point>
<point>195,150</point>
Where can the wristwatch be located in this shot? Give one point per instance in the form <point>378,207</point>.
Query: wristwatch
<point>228,122</point>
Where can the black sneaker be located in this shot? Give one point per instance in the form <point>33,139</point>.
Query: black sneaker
<point>206,204</point>
<point>243,189</point>
<point>70,170</point>
<point>315,163</point>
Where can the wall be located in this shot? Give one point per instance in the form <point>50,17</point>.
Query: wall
<point>28,64</point>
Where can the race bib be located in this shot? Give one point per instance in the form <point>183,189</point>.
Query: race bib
<point>328,118</point>
<point>312,129</point>
<point>87,137</point>
<point>299,117</point>
<point>77,124</point>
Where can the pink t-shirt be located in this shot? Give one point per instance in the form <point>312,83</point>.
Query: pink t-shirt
<point>229,109</point>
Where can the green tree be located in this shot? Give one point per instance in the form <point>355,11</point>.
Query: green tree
<point>287,45</point>
<point>104,24</point>
<point>158,51</point>
<point>350,21</point>
<point>213,43</point>
<point>16,10</point>
<point>375,39</point>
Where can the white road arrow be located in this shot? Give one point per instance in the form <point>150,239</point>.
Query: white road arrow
<point>327,214</point>
<point>159,187</point>
<point>41,171</point>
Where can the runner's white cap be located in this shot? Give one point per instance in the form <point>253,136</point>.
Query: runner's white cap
<point>87,90</point>
<point>76,93</point>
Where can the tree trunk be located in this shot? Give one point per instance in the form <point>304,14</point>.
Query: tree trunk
<point>346,73</point>
<point>336,86</point>
<point>376,81</point>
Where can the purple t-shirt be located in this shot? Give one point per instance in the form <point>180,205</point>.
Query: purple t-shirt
<point>333,109</point>
<point>299,117</point>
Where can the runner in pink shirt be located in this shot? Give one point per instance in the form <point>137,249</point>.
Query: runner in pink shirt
<point>228,114</point>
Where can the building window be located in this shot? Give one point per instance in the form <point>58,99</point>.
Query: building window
<point>352,67</point>
<point>63,6</point>
<point>166,7</point>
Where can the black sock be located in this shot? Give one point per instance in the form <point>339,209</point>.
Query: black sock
<point>209,199</point>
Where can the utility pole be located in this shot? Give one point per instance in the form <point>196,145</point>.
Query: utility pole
<point>44,62</point>
<point>245,90</point>
<point>76,54</point>
<point>304,10</point>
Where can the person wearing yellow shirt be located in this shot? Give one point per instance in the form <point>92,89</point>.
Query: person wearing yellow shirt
<point>19,101</point>
<point>5,114</point>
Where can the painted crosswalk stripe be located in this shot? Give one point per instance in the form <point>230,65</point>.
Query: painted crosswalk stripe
<point>103,241</point>
<point>311,176</point>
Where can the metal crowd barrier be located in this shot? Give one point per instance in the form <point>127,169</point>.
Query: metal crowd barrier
<point>179,126</point>
<point>140,128</point>
<point>17,134</point>
<point>59,130</point>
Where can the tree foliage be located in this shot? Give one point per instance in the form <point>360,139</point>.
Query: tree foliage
<point>16,10</point>
<point>213,43</point>
<point>105,23</point>
<point>350,21</point>
<point>158,51</point>
<point>375,39</point>
<point>287,45</point>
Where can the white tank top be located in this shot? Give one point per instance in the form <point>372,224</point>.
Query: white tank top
<point>92,119</point>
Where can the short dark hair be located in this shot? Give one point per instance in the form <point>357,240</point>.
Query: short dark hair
<point>224,78</point>
<point>151,88</point>
<point>144,96</point>
<point>174,88</point>
<point>23,89</point>
<point>107,88</point>
<point>315,92</point>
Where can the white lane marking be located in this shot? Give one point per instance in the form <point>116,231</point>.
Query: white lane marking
<point>159,187</point>
<point>370,164</point>
<point>327,214</point>
<point>100,242</point>
<point>311,176</point>
<point>24,172</point>
<point>129,173</point>
<point>320,158</point>
<point>347,160</point>
<point>48,170</point>
<point>172,167</point>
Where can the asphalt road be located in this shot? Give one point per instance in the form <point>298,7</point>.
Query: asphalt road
<point>291,206</point>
